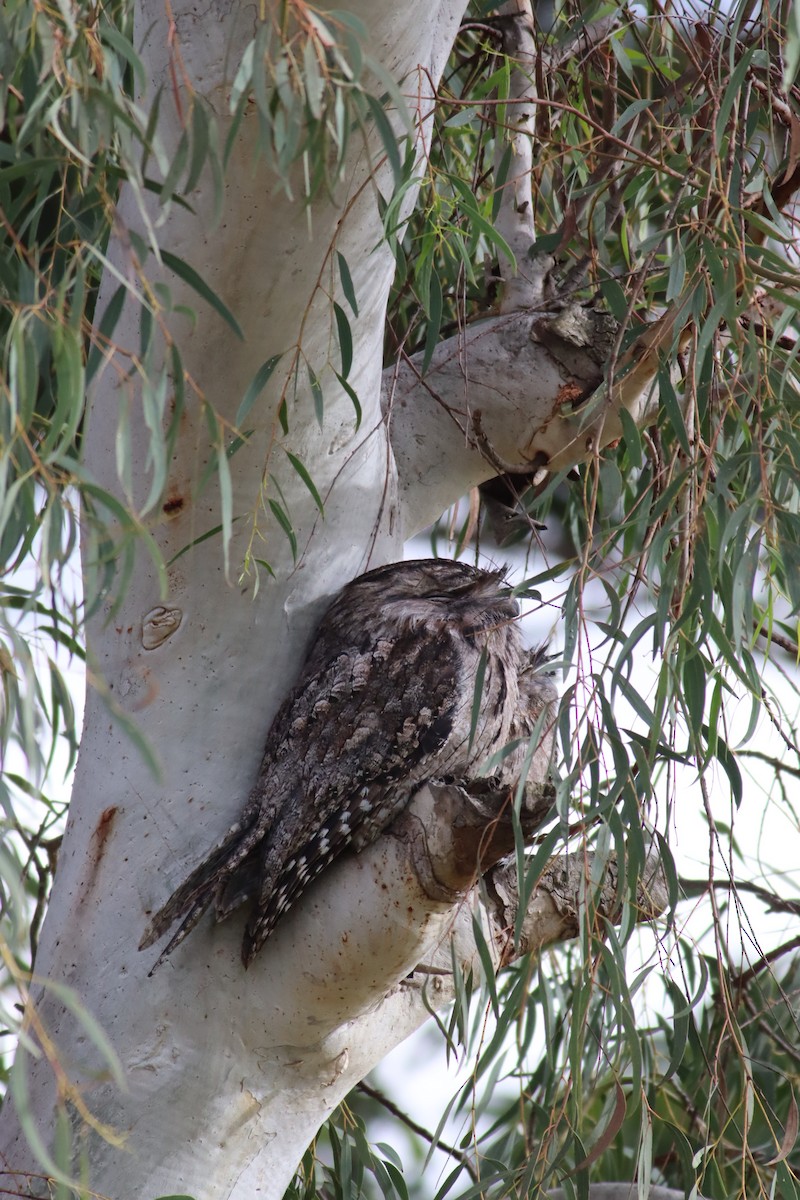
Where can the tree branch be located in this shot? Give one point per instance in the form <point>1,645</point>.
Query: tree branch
<point>552,914</point>
<point>537,382</point>
<point>523,286</point>
<point>420,1130</point>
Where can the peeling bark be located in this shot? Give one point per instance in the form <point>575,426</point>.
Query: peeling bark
<point>552,915</point>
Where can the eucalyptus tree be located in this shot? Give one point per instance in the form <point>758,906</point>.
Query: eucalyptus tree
<point>279,286</point>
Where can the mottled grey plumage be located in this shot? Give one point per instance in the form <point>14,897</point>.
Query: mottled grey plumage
<point>534,714</point>
<point>386,701</point>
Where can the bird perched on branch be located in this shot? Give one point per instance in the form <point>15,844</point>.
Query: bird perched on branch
<point>415,674</point>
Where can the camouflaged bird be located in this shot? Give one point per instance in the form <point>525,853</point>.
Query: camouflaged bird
<point>417,672</point>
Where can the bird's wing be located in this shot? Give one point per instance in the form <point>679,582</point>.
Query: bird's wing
<point>382,724</point>
<point>368,723</point>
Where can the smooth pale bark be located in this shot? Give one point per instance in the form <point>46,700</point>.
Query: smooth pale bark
<point>229,1073</point>
<point>519,392</point>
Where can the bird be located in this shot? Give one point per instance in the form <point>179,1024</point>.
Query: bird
<point>414,674</point>
<point>533,718</point>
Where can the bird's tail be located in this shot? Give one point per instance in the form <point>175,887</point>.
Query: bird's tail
<point>216,875</point>
<point>278,883</point>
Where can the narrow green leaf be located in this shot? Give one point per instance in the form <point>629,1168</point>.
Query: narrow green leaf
<point>316,392</point>
<point>387,136</point>
<point>201,120</point>
<point>677,272</point>
<point>398,1180</point>
<point>694,690</point>
<point>346,281</point>
<point>672,408</point>
<point>637,703</point>
<point>130,727</point>
<point>708,332</point>
<point>678,1035</point>
<point>615,1122</point>
<point>480,676</point>
<point>101,341</point>
<point>226,504</point>
<point>633,439</point>
<point>471,209</point>
<point>307,480</point>
<point>434,321</point>
<point>529,870</point>
<point>392,92</point>
<point>154,399</point>
<point>23,371</point>
<point>122,46</point>
<point>203,537</point>
<point>344,1168</point>
<point>570,622</point>
<point>286,525</point>
<point>487,964</point>
<point>312,79</point>
<point>353,397</point>
<point>500,173</point>
<point>242,79</point>
<point>68,361</point>
<point>257,385</point>
<point>195,281</point>
<point>176,166</point>
<point>713,716</point>
<point>92,1028</point>
<point>615,298</point>
<point>629,114</point>
<point>20,1091</point>
<point>345,338</point>
<point>732,92</point>
<point>786,1180</point>
<point>730,766</point>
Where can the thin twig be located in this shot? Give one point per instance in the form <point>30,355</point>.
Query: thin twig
<point>778,639</point>
<point>777,764</point>
<point>765,960</point>
<point>773,902</point>
<point>391,1107</point>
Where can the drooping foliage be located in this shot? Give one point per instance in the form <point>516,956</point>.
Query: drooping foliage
<point>664,187</point>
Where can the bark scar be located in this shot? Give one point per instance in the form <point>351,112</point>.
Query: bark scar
<point>97,847</point>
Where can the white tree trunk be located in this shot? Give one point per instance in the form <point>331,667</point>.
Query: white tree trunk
<point>229,1073</point>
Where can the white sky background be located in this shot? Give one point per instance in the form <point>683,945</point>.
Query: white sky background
<point>58,784</point>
